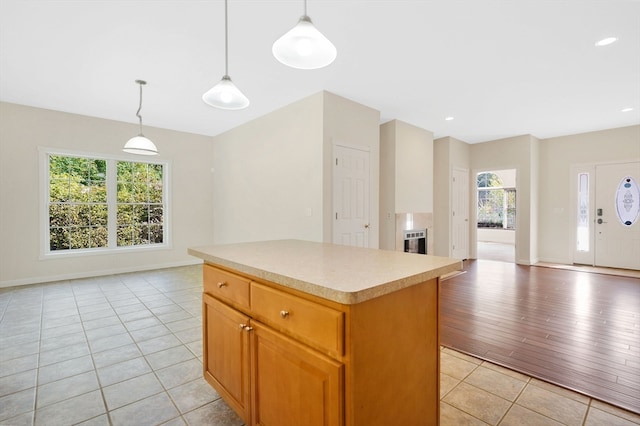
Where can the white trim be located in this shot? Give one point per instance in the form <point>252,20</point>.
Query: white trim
<point>90,274</point>
<point>351,146</point>
<point>52,255</point>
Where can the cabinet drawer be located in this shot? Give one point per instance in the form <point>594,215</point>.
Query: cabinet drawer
<point>226,286</point>
<point>310,322</point>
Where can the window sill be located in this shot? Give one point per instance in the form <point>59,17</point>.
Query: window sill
<point>102,251</point>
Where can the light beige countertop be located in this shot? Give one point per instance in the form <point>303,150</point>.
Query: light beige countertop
<point>344,274</point>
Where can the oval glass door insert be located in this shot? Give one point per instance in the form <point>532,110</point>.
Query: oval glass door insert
<point>628,201</point>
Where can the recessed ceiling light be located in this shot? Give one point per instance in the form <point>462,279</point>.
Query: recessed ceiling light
<point>627,109</point>
<point>606,41</point>
<point>449,118</point>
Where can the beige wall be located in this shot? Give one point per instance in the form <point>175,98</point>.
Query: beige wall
<point>556,234</point>
<point>268,172</point>
<point>414,169</point>
<point>388,185</point>
<point>24,129</point>
<point>272,172</point>
<point>407,177</point>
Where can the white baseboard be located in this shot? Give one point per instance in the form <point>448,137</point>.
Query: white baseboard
<point>88,274</point>
<point>556,260</point>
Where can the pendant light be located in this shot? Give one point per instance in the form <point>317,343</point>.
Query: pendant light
<point>140,144</point>
<point>225,94</point>
<point>304,47</point>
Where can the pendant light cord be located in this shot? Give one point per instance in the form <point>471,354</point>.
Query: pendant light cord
<point>140,82</point>
<point>305,7</point>
<point>226,41</point>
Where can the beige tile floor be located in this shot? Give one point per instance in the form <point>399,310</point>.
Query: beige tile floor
<point>126,350</point>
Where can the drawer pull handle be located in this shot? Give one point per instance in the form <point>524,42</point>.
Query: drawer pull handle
<point>222,284</point>
<point>284,314</point>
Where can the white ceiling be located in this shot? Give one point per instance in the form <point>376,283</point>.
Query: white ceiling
<point>500,67</point>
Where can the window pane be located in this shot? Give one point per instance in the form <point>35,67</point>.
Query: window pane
<point>79,237</point>
<point>155,214</point>
<point>98,192</point>
<point>98,171</point>
<point>58,215</point>
<point>58,238</point>
<point>139,172</point>
<point>124,171</point>
<point>140,203</point>
<point>99,236</point>
<point>99,215</point>
<point>582,233</point>
<point>511,208</point>
<point>490,208</point>
<point>144,234</point>
<point>126,235</point>
<point>125,214</point>
<point>59,189</point>
<point>627,201</point>
<point>139,192</point>
<point>155,234</point>
<point>83,213</point>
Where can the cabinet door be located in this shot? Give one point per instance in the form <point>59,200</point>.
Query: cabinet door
<point>226,360</point>
<point>292,384</point>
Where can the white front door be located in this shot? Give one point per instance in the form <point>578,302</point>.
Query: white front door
<point>460,213</point>
<point>617,225</point>
<point>351,191</point>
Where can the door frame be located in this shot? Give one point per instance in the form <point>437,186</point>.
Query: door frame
<point>473,209</point>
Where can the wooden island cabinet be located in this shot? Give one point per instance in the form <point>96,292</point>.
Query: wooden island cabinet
<point>300,333</point>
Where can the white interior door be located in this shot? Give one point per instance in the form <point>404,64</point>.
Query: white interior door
<point>460,214</point>
<point>351,192</point>
<point>617,227</point>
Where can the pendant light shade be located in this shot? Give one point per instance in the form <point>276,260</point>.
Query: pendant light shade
<point>304,47</point>
<point>140,144</point>
<point>225,94</point>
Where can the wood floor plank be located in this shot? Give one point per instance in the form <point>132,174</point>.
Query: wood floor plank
<point>580,330</point>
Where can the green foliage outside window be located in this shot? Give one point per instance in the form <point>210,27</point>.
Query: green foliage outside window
<point>77,203</point>
<point>79,209</point>
<point>140,209</point>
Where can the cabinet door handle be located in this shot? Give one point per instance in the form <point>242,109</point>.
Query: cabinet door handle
<point>247,328</point>
<point>222,284</point>
<point>284,314</point>
<point>243,326</point>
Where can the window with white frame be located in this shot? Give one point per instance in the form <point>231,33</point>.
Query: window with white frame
<point>95,203</point>
<point>496,203</point>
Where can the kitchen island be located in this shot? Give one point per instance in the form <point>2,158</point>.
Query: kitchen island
<point>303,333</point>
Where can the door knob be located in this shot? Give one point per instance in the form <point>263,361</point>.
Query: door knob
<point>366,225</point>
